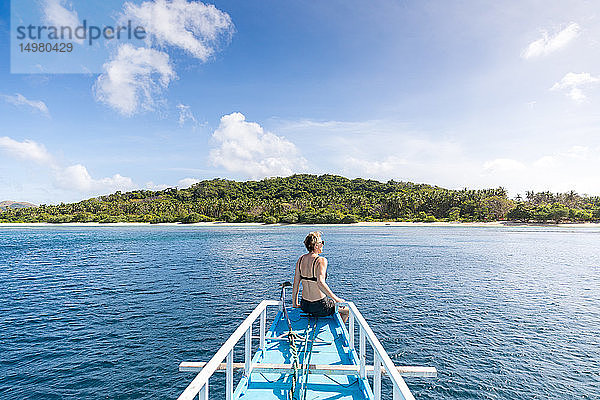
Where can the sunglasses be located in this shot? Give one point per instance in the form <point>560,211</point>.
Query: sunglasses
<point>322,242</point>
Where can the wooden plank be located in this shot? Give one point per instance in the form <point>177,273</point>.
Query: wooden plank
<point>192,366</point>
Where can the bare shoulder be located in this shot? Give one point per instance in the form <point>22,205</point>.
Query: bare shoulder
<point>322,261</point>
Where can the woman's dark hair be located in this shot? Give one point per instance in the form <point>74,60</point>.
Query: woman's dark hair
<point>311,240</point>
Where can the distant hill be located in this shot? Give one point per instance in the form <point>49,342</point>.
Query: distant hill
<point>311,199</point>
<point>5,205</point>
<point>297,198</point>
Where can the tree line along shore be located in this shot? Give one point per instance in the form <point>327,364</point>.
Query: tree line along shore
<point>312,199</point>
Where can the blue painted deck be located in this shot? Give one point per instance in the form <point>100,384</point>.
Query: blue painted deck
<point>335,351</point>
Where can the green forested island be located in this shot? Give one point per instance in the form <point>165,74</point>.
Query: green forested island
<point>314,199</point>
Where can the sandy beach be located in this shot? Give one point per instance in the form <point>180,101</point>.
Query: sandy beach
<point>258,224</point>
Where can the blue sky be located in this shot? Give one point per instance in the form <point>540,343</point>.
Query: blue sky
<point>451,93</point>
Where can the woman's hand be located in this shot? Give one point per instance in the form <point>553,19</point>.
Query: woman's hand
<point>296,305</point>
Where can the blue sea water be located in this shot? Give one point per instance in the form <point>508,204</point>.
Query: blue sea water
<point>109,312</point>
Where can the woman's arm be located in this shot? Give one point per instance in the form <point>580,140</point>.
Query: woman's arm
<point>321,272</point>
<point>296,287</point>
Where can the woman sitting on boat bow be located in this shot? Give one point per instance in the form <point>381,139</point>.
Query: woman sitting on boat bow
<point>311,270</point>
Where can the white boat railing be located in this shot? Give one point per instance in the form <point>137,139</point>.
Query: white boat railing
<point>380,356</point>
<point>199,386</point>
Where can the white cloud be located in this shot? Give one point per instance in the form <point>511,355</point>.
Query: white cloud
<point>152,186</point>
<point>502,165</point>
<point>573,83</point>
<point>20,100</point>
<point>545,162</point>
<point>580,152</point>
<point>181,184</point>
<point>187,182</point>
<point>185,114</point>
<point>245,147</point>
<point>75,177</point>
<point>380,149</point>
<point>56,13</point>
<point>473,155</point>
<point>550,43</point>
<point>195,27</point>
<point>561,171</point>
<point>27,150</point>
<point>389,166</point>
<point>133,77</point>
<point>331,125</point>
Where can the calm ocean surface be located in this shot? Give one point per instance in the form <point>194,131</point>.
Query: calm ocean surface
<point>108,313</point>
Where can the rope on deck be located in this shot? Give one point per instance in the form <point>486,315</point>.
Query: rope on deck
<point>304,388</point>
<point>293,393</point>
<point>294,351</point>
<point>291,340</point>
